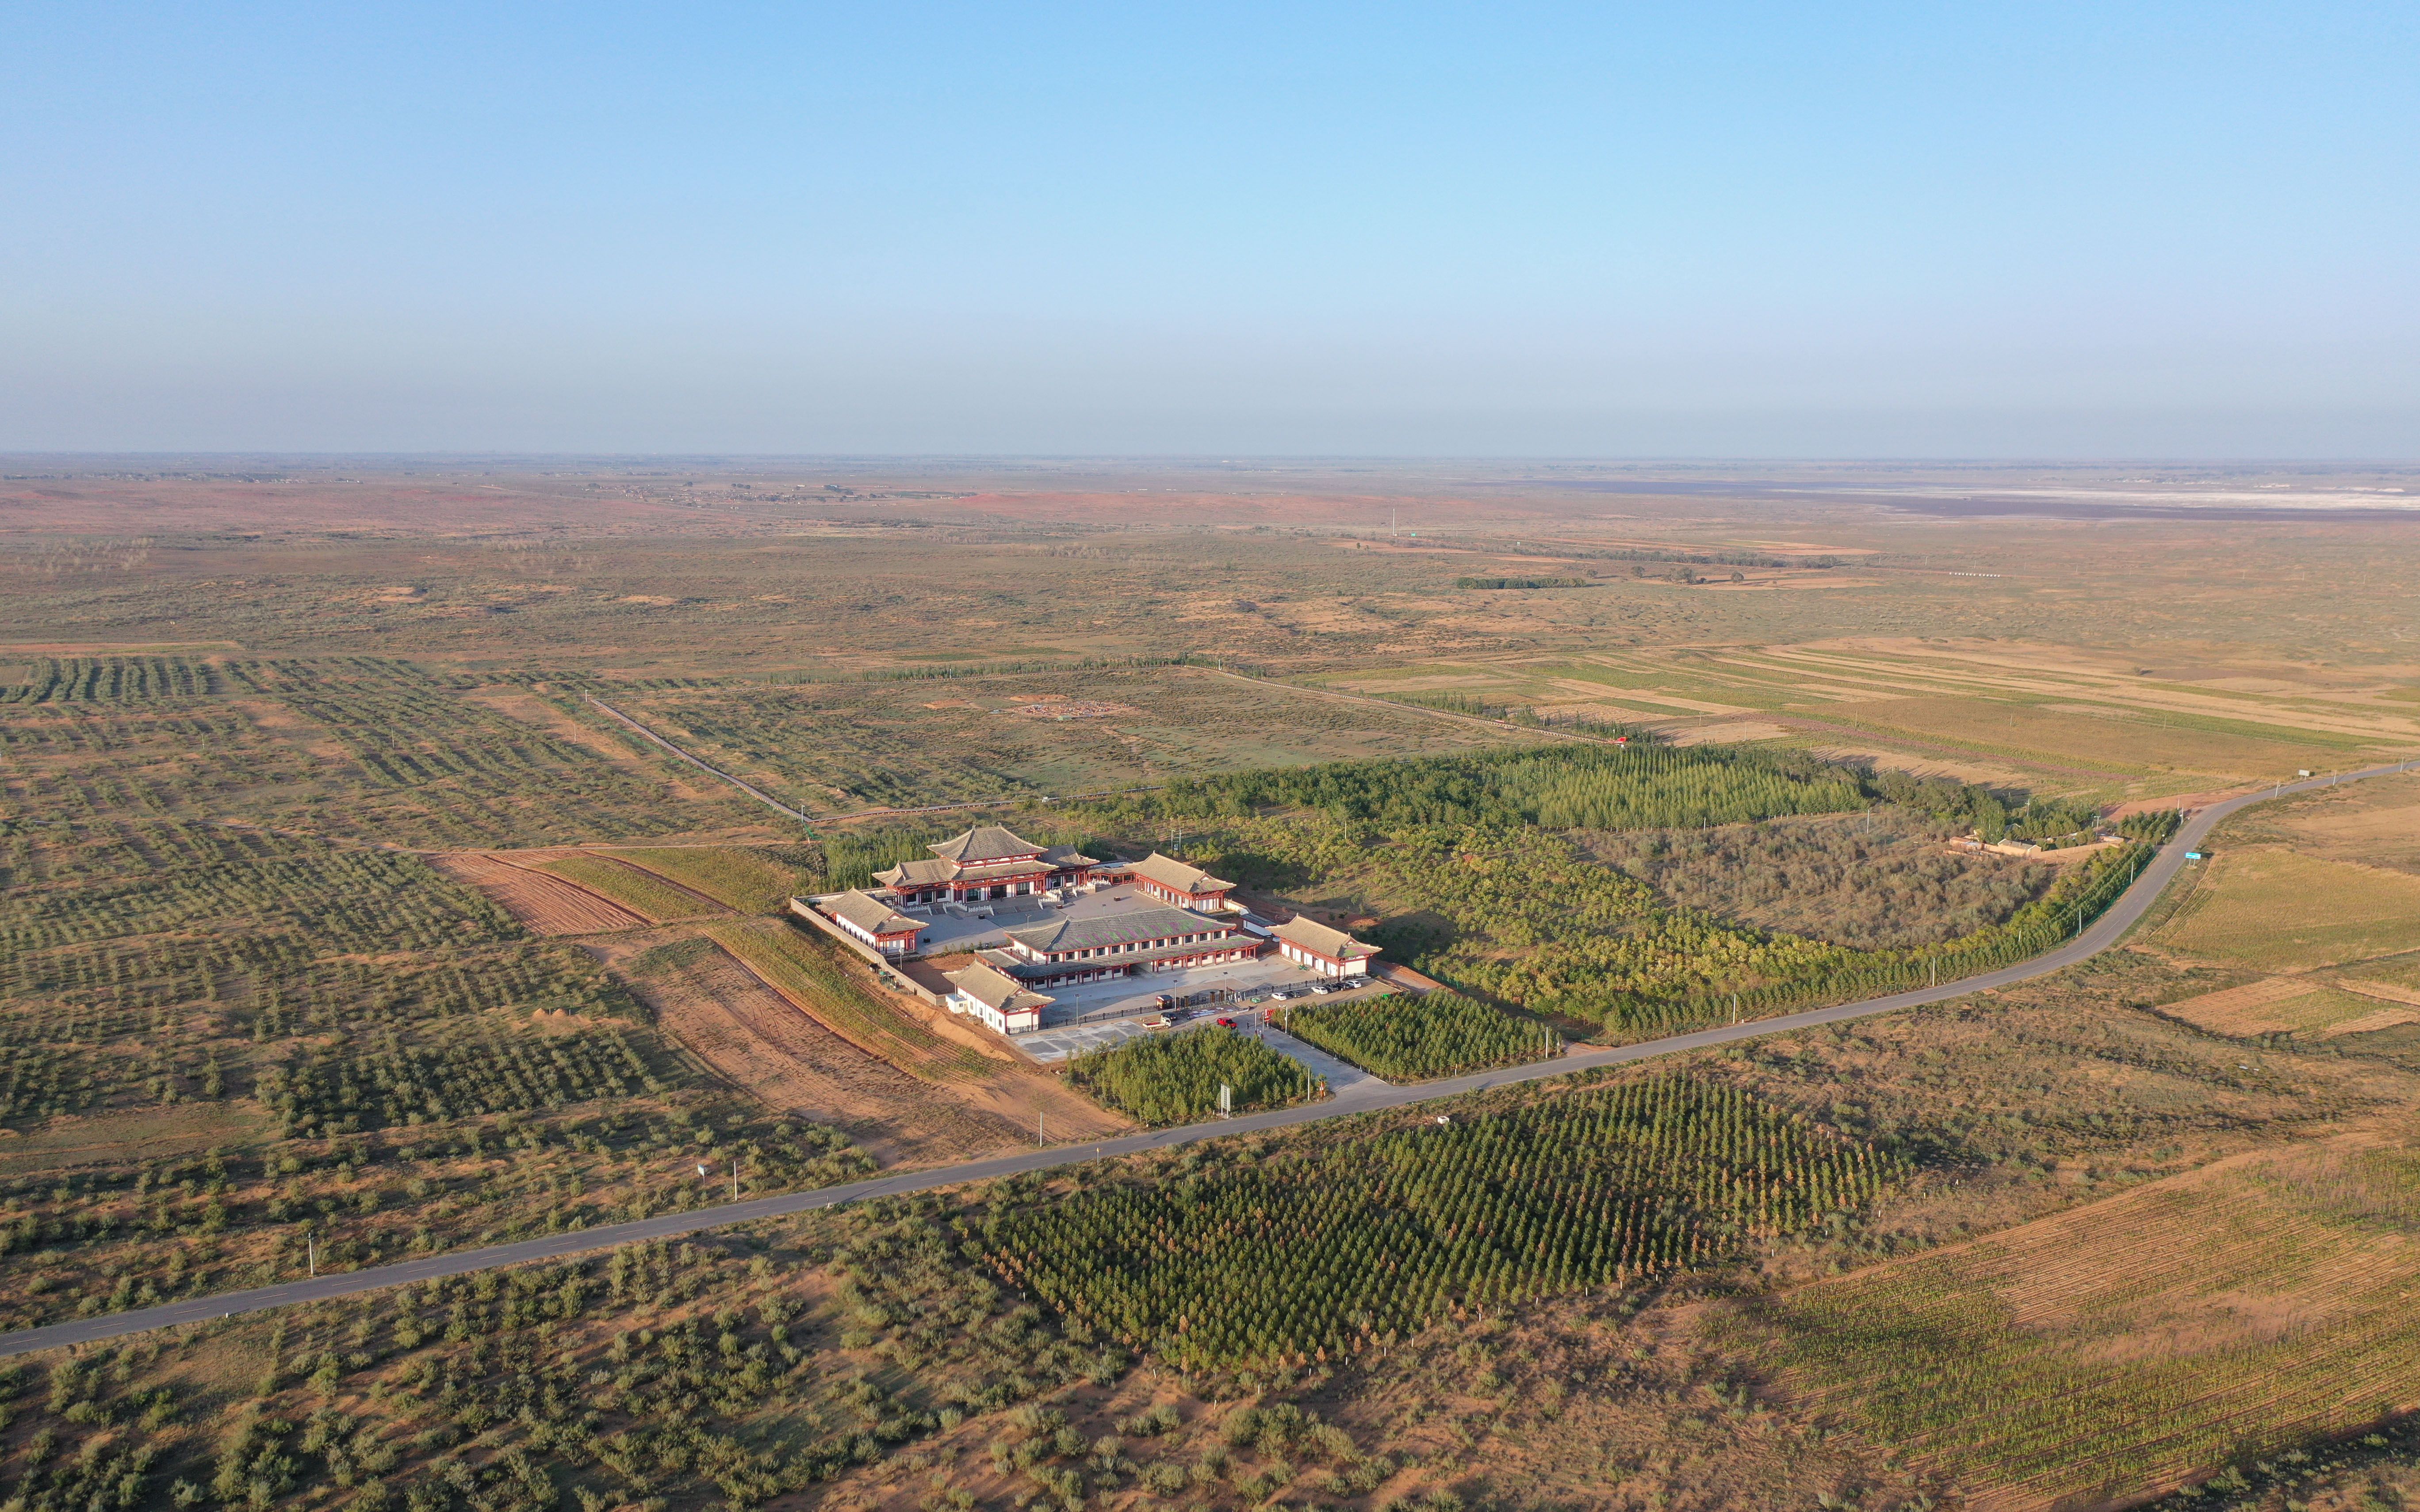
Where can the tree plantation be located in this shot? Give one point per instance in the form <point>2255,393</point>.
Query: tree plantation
<point>1328,1251</point>
<point>1412,1039</point>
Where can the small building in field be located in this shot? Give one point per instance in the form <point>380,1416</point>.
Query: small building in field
<point>1135,943</point>
<point>1332,953</point>
<point>986,862</point>
<point>1172,881</point>
<point>877,923</point>
<point>985,991</point>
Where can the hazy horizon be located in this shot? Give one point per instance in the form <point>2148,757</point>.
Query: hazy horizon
<point>2173,233</point>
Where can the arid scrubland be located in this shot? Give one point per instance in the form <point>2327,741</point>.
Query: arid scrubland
<point>340,920</point>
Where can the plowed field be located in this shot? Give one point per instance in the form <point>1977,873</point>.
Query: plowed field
<point>548,905</point>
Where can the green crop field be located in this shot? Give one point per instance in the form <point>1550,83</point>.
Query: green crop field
<point>1358,1242</point>
<point>1404,1039</point>
<point>1174,1078</point>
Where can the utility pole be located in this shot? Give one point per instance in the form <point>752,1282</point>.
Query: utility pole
<point>311,1254</point>
<point>1038,1140</point>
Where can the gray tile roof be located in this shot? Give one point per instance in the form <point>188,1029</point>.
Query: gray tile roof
<point>985,843</point>
<point>1332,943</point>
<point>871,915</point>
<point>987,985</point>
<point>1171,873</point>
<point>1127,928</point>
<point>916,874</point>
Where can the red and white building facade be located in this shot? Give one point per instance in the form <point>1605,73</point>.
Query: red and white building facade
<point>1185,886</point>
<point>875,922</point>
<point>1332,953</point>
<point>985,863</point>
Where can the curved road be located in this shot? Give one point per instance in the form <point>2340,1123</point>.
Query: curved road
<point>1371,1096</point>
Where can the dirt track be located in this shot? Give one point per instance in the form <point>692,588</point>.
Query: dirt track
<point>548,904</point>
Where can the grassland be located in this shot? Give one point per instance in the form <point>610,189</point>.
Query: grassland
<point>2095,1355</point>
<point>2278,911</point>
<point>652,897</point>
<point>748,882</point>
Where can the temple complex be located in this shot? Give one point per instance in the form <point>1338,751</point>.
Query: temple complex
<point>986,862</point>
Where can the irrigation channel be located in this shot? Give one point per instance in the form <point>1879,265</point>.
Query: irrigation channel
<point>1370,1097</point>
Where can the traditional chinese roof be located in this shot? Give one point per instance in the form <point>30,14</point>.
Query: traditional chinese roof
<point>1313,935</point>
<point>871,915</point>
<point>986,842</point>
<point>1064,857</point>
<point>1130,928</point>
<point>1177,875</point>
<point>995,989</point>
<point>1000,870</point>
<point>916,874</point>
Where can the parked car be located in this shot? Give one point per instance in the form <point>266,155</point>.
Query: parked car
<point>1225,1023</point>
<point>1324,988</point>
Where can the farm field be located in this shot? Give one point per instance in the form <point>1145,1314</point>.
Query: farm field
<point>262,997</point>
<point>2091,1355</point>
<point>950,734</point>
<point>744,881</point>
<point>2289,1005</point>
<point>2277,910</point>
<point>655,898</point>
<point>2098,720</point>
<point>545,904</point>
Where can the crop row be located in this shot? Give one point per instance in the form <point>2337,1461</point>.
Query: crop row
<point>111,680</point>
<point>485,1067</point>
<point>343,899</point>
<point>1367,1240</point>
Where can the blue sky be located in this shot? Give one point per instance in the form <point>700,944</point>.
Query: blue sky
<point>1706,230</point>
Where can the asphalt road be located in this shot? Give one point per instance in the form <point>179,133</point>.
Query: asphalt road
<point>1367,1098</point>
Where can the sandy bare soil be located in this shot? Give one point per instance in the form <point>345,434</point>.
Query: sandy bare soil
<point>548,905</point>
<point>755,1039</point>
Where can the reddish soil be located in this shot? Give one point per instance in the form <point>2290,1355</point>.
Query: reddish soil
<point>548,904</point>
<point>755,1039</point>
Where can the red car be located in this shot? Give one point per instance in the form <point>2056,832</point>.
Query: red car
<point>1225,1023</point>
